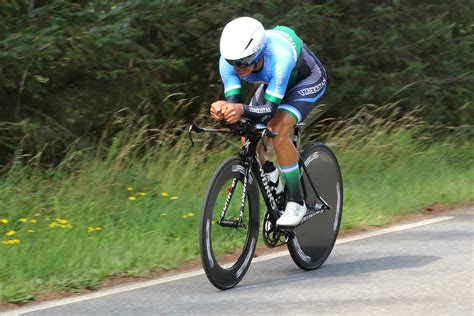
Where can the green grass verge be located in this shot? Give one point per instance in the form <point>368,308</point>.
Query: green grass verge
<point>64,228</point>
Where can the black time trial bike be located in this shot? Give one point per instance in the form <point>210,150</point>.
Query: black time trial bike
<point>230,217</point>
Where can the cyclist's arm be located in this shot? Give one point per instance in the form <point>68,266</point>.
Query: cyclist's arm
<point>275,92</point>
<point>258,112</point>
<point>231,82</point>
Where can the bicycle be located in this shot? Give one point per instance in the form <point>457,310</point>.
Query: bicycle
<point>225,219</point>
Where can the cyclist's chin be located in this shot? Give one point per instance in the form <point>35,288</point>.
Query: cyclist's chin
<point>244,72</point>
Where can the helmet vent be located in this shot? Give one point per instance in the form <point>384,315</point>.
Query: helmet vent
<point>248,43</point>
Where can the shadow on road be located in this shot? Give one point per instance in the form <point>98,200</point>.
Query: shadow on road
<point>342,269</point>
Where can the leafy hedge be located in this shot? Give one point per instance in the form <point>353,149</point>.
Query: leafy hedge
<point>67,66</point>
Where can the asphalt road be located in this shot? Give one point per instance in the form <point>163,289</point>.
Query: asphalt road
<point>421,270</point>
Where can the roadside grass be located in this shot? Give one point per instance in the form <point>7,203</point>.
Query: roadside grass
<point>137,210</point>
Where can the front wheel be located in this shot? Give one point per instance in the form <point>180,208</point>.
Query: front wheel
<point>312,241</point>
<point>227,243</point>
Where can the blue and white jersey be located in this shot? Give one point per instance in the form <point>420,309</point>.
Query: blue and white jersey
<point>280,56</point>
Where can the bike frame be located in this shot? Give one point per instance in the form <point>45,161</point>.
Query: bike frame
<point>252,165</point>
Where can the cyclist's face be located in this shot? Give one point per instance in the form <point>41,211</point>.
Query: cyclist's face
<point>244,71</point>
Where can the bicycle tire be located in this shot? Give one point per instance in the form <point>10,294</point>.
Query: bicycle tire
<point>213,237</point>
<point>314,240</point>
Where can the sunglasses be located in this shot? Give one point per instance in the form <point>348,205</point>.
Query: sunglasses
<point>243,62</point>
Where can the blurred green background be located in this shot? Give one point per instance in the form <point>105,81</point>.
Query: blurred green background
<point>67,66</point>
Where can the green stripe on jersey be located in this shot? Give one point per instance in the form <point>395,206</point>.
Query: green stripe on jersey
<point>271,98</point>
<point>232,92</point>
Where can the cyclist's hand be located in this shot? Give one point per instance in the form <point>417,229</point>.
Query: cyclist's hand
<point>217,113</point>
<point>233,112</point>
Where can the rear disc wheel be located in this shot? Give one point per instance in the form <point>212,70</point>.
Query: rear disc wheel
<point>312,242</point>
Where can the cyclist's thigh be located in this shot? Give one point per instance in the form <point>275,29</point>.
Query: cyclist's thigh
<point>302,98</point>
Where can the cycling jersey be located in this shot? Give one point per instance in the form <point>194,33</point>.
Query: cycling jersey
<point>287,64</point>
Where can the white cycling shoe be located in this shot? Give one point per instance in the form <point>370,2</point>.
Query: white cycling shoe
<point>293,214</point>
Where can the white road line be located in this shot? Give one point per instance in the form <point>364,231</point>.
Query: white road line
<point>140,285</point>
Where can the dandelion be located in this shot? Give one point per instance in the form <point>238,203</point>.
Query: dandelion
<point>93,229</point>
<point>132,198</point>
<point>53,225</point>
<point>129,189</point>
<point>34,221</point>
<point>142,193</point>
<point>10,233</point>
<point>173,198</point>
<point>23,220</point>
<point>165,194</point>
<point>11,241</point>
<point>3,221</point>
<point>189,214</point>
<point>62,221</point>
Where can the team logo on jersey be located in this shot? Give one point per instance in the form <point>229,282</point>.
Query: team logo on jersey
<point>312,90</point>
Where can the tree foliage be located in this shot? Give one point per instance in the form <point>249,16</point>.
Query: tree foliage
<point>66,66</point>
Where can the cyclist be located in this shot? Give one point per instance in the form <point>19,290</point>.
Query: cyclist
<point>292,80</point>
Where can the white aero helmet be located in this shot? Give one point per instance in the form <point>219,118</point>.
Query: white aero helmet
<point>242,41</point>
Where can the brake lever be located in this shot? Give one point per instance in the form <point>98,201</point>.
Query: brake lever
<point>194,128</point>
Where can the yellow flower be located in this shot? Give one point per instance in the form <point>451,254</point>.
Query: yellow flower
<point>53,225</point>
<point>10,233</point>
<point>23,220</point>
<point>165,194</point>
<point>174,198</point>
<point>30,231</point>
<point>11,241</point>
<point>142,193</point>
<point>93,229</point>
<point>34,221</point>
<point>3,221</point>
<point>62,221</point>
<point>132,198</point>
<point>190,214</point>
<point>129,189</point>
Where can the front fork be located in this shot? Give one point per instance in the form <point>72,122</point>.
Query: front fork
<point>230,192</point>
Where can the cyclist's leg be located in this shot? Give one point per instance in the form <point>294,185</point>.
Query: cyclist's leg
<point>283,124</point>
<point>293,110</point>
<point>295,107</point>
